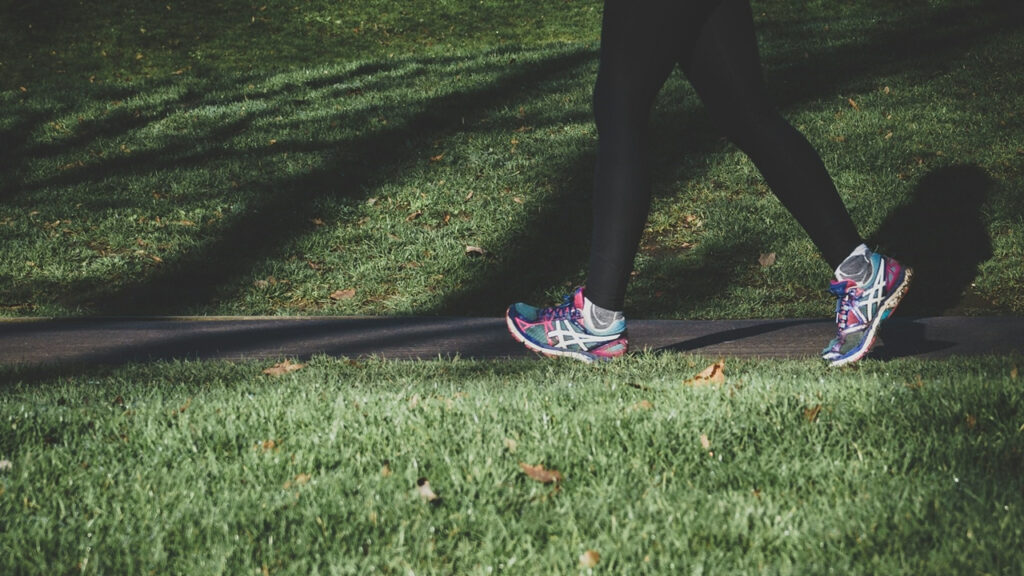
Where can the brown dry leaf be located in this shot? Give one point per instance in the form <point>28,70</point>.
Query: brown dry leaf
<point>300,480</point>
<point>437,158</point>
<point>266,446</point>
<point>414,216</point>
<point>317,221</point>
<point>385,469</point>
<point>589,559</point>
<point>811,414</point>
<point>713,374</point>
<point>1013,373</point>
<point>853,104</point>
<point>475,251</point>
<point>541,475</point>
<point>469,196</point>
<point>343,294</point>
<point>642,405</point>
<point>971,421</point>
<point>766,260</point>
<point>283,368</point>
<point>423,489</point>
<point>704,442</point>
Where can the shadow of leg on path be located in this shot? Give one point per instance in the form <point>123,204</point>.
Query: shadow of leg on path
<point>940,234</point>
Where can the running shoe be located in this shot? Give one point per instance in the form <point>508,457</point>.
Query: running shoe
<point>861,309</point>
<point>560,331</point>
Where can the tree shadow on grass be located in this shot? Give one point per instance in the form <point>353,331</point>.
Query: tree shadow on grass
<point>548,251</point>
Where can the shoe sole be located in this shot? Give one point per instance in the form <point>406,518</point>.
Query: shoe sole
<point>883,314</point>
<point>546,351</point>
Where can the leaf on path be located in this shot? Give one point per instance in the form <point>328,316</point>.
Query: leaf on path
<point>338,295</point>
<point>811,414</point>
<point>423,489</point>
<point>541,475</point>
<point>475,251</point>
<point>713,374</point>
<point>766,260</point>
<point>283,368</point>
<point>589,559</point>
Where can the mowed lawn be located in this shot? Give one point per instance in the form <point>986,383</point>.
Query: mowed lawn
<point>305,157</point>
<point>361,467</point>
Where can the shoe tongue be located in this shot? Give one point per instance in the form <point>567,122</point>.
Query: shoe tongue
<point>841,287</point>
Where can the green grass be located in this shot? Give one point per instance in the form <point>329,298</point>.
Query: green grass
<point>235,158</point>
<point>222,157</point>
<point>904,467</point>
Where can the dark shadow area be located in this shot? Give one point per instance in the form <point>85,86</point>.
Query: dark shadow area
<point>939,234</point>
<point>732,334</point>
<point>901,337</point>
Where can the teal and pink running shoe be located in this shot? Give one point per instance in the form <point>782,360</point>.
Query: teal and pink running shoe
<point>861,309</point>
<point>560,331</point>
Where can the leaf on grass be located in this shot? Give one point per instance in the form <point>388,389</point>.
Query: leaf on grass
<point>317,221</point>
<point>971,421</point>
<point>385,468</point>
<point>300,480</point>
<point>642,405</point>
<point>541,475</point>
<point>423,489</point>
<point>766,260</point>
<point>414,216</point>
<point>283,368</point>
<point>475,251</point>
<point>267,446</point>
<point>853,104</point>
<point>469,196</point>
<point>437,158</point>
<point>510,445</point>
<point>713,374</point>
<point>704,442</point>
<point>589,559</point>
<point>1013,373</point>
<point>811,414</point>
<point>343,294</point>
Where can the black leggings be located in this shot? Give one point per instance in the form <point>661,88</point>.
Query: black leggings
<point>713,42</point>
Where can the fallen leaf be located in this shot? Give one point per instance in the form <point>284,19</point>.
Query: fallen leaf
<point>343,294</point>
<point>317,222</point>
<point>300,480</point>
<point>811,414</point>
<point>385,469</point>
<point>423,489</point>
<point>469,196</point>
<point>766,260</point>
<point>713,374</point>
<point>267,446</point>
<point>971,421</point>
<point>642,405</point>
<point>1013,373</point>
<point>437,158</point>
<point>541,475</point>
<point>704,442</point>
<point>414,216</point>
<point>589,559</point>
<point>283,368</point>
<point>853,104</point>
<point>475,251</point>
<point>510,445</point>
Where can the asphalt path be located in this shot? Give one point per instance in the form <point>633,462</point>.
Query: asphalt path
<point>121,340</point>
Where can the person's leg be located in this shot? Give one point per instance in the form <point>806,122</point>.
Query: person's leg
<point>725,70</point>
<point>636,57</point>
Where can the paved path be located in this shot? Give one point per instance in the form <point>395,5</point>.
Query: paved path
<point>119,340</point>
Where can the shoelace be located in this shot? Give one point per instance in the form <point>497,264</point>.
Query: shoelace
<point>847,301</point>
<point>565,309</point>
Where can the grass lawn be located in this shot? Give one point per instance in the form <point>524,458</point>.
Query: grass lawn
<point>311,157</point>
<point>904,467</point>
